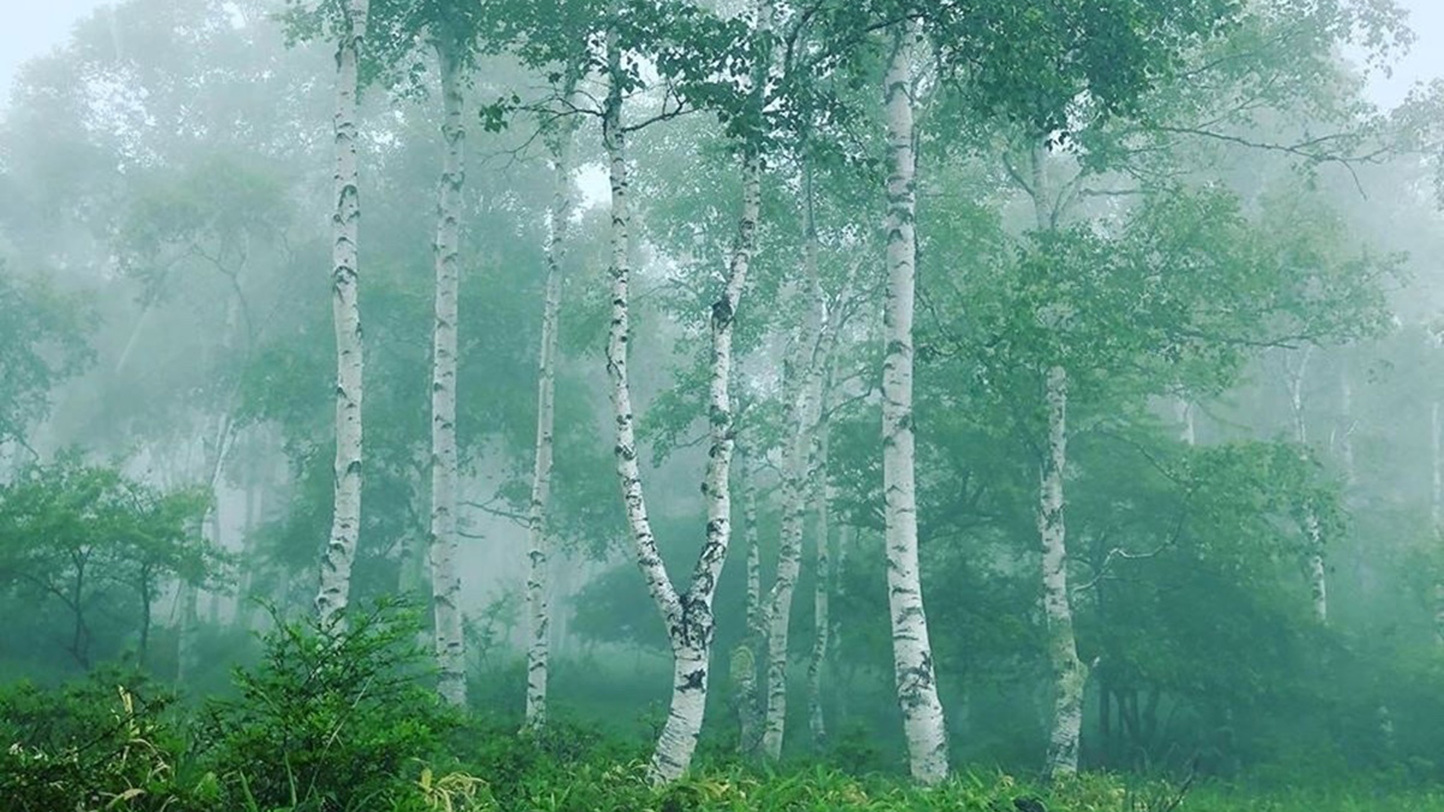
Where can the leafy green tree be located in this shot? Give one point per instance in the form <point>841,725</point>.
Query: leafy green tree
<point>73,533</point>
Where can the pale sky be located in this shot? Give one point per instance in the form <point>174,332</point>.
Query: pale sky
<point>32,27</point>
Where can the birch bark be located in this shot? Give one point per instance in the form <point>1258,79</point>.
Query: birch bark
<point>803,414</point>
<point>749,706</point>
<point>1313,529</point>
<point>822,585</point>
<point>687,616</point>
<point>917,692</point>
<point>537,584</point>
<point>346,517</point>
<point>445,578</point>
<point>1069,672</point>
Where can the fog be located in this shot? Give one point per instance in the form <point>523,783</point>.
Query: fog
<point>518,405</point>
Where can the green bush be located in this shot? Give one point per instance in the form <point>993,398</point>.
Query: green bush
<point>339,716</point>
<point>107,743</point>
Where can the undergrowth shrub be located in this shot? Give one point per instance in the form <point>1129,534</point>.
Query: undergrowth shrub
<point>107,743</point>
<point>339,716</point>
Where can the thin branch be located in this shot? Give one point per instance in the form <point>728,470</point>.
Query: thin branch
<point>485,507</point>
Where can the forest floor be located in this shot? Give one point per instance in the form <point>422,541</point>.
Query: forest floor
<point>347,722</point>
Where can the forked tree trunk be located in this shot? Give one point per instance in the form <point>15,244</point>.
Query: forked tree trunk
<point>538,554</point>
<point>917,690</point>
<point>687,616</point>
<point>1069,672</point>
<point>450,645</point>
<point>346,516</point>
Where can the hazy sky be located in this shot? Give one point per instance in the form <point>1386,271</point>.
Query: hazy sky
<point>32,27</point>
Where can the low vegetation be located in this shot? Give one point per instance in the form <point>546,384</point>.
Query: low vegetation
<point>334,719</point>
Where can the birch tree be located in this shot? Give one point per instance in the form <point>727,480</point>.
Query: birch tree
<point>686,614</point>
<point>744,667</point>
<point>913,668</point>
<point>445,577</point>
<point>803,412</point>
<point>1314,568</point>
<point>822,578</point>
<point>345,227</point>
<point>559,143</point>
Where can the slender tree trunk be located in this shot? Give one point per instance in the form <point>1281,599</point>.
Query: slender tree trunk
<point>189,625</point>
<point>216,451</point>
<point>1313,529</point>
<point>687,616</point>
<point>445,577</point>
<point>804,414</point>
<point>749,705</point>
<point>795,486</point>
<point>346,517</point>
<point>839,555</point>
<point>245,602</point>
<point>822,585</point>
<point>922,712</point>
<point>1069,673</point>
<point>146,582</point>
<point>539,647</point>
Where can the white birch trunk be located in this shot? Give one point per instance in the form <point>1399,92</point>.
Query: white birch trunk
<point>346,517</point>
<point>803,400</point>
<point>923,723</point>
<point>749,707</point>
<point>445,577</point>
<point>822,585</point>
<point>537,583</point>
<point>1069,672</point>
<point>688,617</point>
<point>789,566</point>
<point>756,624</point>
<point>1313,530</point>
